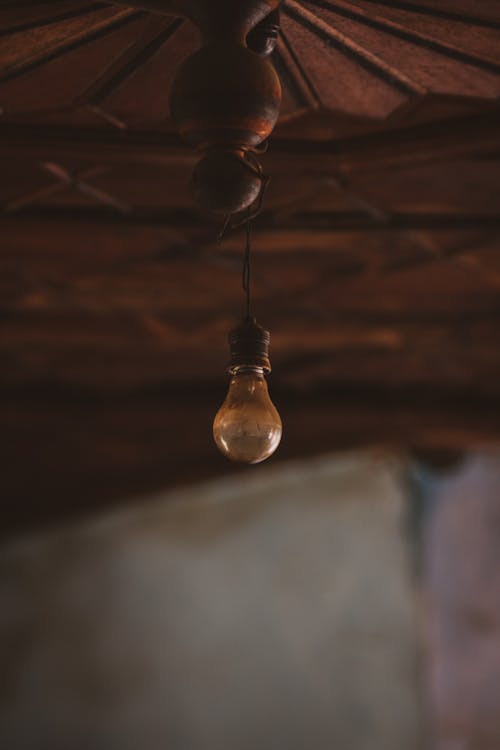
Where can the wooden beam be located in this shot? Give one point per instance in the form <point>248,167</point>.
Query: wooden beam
<point>437,141</point>
<point>86,451</point>
<point>334,38</point>
<point>59,45</point>
<point>129,62</point>
<point>313,222</point>
<point>39,23</point>
<point>480,18</point>
<point>418,37</point>
<point>162,7</point>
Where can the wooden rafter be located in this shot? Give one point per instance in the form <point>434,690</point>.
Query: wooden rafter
<point>348,46</point>
<point>472,134</point>
<point>406,33</point>
<point>62,45</point>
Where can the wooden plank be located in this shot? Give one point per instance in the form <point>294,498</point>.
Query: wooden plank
<point>317,222</point>
<point>86,451</point>
<point>436,141</point>
<point>487,15</point>
<point>366,59</point>
<point>18,57</point>
<point>42,20</point>
<point>411,33</point>
<point>137,54</point>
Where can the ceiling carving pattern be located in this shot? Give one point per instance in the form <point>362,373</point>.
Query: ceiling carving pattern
<point>361,58</point>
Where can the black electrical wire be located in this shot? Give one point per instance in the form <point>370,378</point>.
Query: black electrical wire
<point>246,274</point>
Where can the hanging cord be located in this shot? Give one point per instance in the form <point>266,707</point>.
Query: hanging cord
<point>246,274</point>
<point>229,225</point>
<point>224,230</point>
<point>247,268</point>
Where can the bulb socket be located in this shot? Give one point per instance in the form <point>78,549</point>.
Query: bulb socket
<point>249,346</point>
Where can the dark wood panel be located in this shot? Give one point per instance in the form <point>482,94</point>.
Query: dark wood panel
<point>376,257</point>
<point>68,453</point>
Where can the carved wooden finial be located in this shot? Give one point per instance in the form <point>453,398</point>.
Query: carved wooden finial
<point>226,97</point>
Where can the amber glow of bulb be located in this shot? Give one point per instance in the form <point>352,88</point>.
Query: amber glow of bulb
<point>247,427</point>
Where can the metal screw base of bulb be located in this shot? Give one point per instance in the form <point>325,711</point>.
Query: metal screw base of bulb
<point>249,347</point>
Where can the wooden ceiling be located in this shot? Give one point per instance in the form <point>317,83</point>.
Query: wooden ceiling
<point>377,254</point>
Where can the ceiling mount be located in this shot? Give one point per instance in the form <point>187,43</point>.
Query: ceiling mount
<point>226,97</point>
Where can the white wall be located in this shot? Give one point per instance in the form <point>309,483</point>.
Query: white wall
<point>270,611</point>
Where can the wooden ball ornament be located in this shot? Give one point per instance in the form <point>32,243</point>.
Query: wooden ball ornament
<point>225,94</point>
<point>225,182</point>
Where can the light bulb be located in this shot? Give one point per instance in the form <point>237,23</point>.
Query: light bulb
<point>247,426</point>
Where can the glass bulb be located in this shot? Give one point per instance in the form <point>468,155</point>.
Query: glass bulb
<point>247,426</point>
